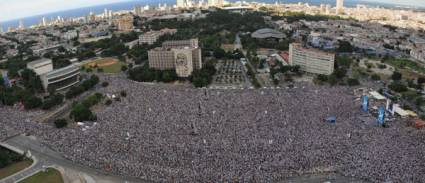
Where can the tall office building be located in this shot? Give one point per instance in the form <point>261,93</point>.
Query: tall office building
<point>328,9</point>
<point>105,13</point>
<point>44,22</point>
<point>311,60</point>
<point>339,7</point>
<point>1,29</point>
<point>138,10</point>
<point>21,25</point>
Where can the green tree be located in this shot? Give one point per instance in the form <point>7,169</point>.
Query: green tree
<point>396,76</point>
<point>32,102</point>
<point>397,87</point>
<point>61,123</point>
<point>81,112</point>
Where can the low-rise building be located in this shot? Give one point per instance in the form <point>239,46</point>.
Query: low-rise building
<point>311,60</point>
<point>152,36</point>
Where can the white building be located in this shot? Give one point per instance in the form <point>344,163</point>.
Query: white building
<point>311,60</point>
<point>70,35</point>
<point>151,36</point>
<point>55,79</point>
<point>41,66</point>
<point>339,7</point>
<point>217,3</point>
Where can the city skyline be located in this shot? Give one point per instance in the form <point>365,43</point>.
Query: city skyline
<point>27,8</point>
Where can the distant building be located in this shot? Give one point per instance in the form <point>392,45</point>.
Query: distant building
<point>311,60</point>
<point>184,56</point>
<point>138,10</point>
<point>267,33</point>
<point>55,79</point>
<point>70,35</point>
<point>339,7</point>
<point>152,36</point>
<point>217,3</point>
<point>125,23</point>
<point>181,3</point>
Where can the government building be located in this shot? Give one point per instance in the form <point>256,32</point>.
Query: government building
<point>182,55</point>
<point>311,60</point>
<point>55,79</point>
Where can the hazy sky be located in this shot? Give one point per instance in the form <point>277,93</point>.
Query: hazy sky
<point>13,9</point>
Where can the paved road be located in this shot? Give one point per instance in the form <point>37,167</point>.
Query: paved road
<point>46,157</point>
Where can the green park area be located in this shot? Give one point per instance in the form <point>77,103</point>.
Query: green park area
<point>11,163</point>
<point>51,175</point>
<point>14,168</point>
<point>106,65</point>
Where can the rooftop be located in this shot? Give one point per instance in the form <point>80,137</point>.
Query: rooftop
<point>267,33</point>
<point>39,61</point>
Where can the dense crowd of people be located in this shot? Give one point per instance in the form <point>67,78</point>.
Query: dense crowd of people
<point>178,134</point>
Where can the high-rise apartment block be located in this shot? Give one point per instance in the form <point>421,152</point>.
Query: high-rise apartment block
<point>311,60</point>
<point>339,7</point>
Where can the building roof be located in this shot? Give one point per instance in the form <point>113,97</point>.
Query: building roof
<point>377,95</point>
<point>62,71</point>
<point>37,62</point>
<point>267,33</point>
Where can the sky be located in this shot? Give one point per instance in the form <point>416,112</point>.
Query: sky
<point>15,9</point>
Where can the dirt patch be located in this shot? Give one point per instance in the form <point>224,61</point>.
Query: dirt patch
<point>102,63</point>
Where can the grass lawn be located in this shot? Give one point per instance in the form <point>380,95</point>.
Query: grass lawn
<point>13,168</point>
<point>115,68</point>
<point>50,176</point>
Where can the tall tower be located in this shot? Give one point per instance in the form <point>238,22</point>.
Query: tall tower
<point>21,25</point>
<point>339,7</point>
<point>44,22</point>
<point>138,10</point>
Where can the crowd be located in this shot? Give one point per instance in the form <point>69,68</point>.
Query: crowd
<point>178,134</point>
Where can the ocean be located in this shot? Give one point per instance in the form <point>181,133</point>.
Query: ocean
<point>129,5</point>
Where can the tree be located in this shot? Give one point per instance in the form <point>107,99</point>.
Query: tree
<point>421,80</point>
<point>352,82</point>
<point>61,123</point>
<point>397,87</point>
<point>32,102</point>
<point>375,77</point>
<point>345,46</point>
<point>340,73</point>
<point>81,112</point>
<point>31,81</point>
<point>322,77</point>
<point>219,53</point>
<point>124,68</point>
<point>396,76</point>
<point>53,101</point>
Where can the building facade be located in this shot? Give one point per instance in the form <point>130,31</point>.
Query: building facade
<point>125,23</point>
<point>183,55</point>
<point>339,7</point>
<point>311,60</point>
<point>152,36</point>
<point>55,79</point>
